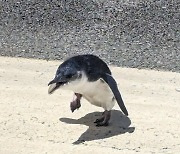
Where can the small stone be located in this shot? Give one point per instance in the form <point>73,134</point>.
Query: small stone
<point>178,89</point>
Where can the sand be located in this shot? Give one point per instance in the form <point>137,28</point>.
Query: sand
<point>31,121</point>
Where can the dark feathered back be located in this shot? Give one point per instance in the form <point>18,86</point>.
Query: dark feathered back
<point>92,65</point>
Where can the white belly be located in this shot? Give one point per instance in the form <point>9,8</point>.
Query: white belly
<point>97,93</point>
<point>101,98</point>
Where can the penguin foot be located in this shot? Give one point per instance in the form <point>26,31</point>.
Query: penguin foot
<point>104,120</point>
<point>75,104</point>
<point>99,120</point>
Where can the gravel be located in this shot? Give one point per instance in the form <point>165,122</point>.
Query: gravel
<point>126,33</point>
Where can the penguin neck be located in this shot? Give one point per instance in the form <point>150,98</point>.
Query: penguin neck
<point>78,85</point>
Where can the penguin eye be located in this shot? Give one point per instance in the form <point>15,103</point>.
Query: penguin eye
<point>69,76</point>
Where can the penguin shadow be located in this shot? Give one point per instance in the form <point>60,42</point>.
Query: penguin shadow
<point>119,124</point>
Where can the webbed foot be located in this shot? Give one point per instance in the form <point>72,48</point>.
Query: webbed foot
<point>104,120</point>
<point>75,104</point>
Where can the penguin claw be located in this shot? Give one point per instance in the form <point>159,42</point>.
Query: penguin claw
<point>96,121</point>
<point>99,120</point>
<point>72,110</point>
<point>102,124</point>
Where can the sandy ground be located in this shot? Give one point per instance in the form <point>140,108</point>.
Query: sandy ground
<point>31,121</point>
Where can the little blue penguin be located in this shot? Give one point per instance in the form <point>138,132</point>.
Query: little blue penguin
<point>89,77</point>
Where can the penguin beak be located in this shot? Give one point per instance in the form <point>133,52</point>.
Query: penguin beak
<point>51,82</point>
<point>53,87</point>
<point>55,84</point>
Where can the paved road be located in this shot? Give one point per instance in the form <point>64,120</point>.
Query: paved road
<point>138,34</point>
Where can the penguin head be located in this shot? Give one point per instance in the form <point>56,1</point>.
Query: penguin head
<point>66,74</point>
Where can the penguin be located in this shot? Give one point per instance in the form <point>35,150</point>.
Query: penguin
<point>89,77</point>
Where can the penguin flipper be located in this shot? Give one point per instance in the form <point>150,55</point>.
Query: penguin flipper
<point>113,86</point>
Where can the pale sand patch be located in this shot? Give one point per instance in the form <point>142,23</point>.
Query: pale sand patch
<point>31,121</point>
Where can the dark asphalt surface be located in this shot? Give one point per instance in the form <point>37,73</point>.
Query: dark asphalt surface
<point>138,34</point>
